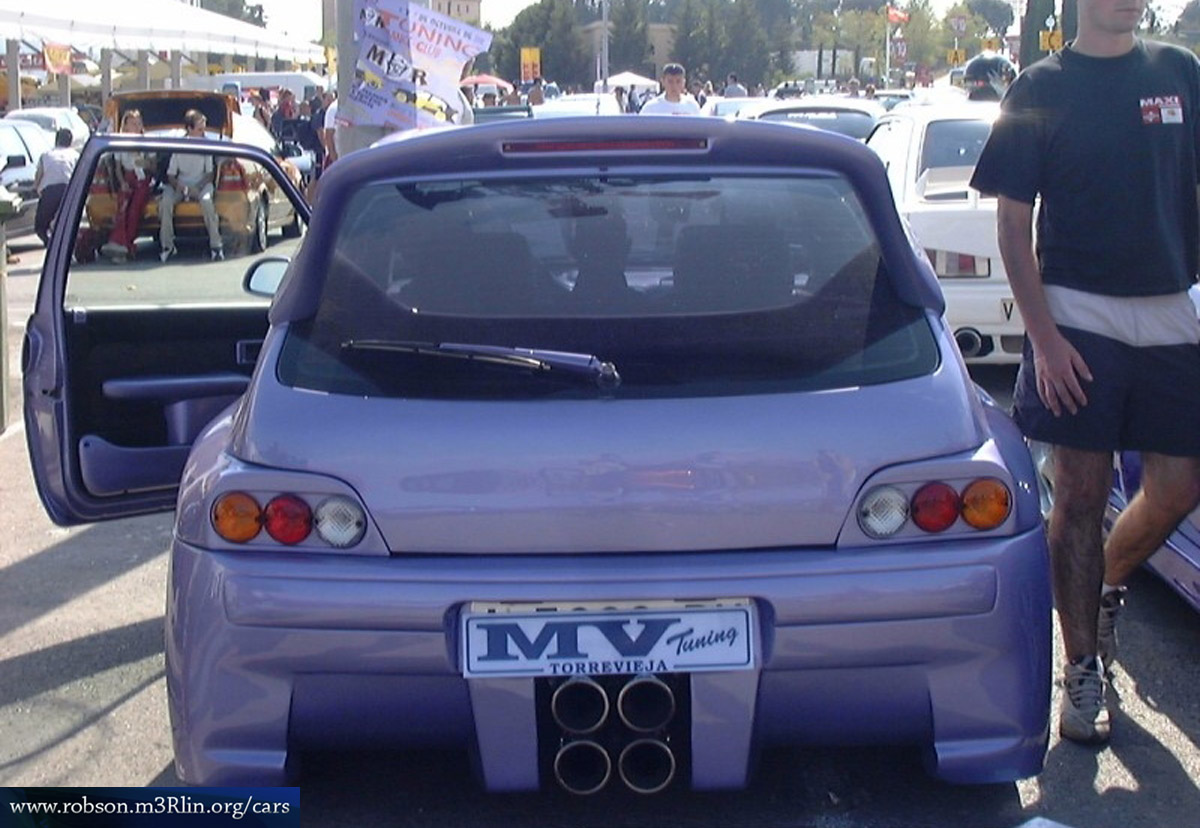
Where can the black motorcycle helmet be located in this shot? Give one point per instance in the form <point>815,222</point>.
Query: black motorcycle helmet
<point>987,75</point>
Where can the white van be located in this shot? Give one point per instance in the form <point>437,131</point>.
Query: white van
<point>303,84</point>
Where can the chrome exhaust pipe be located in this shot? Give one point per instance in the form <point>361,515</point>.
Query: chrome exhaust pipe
<point>646,766</point>
<point>646,704</point>
<point>579,705</point>
<point>969,341</point>
<point>582,767</point>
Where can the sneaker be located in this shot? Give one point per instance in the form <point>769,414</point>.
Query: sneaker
<point>112,248</point>
<point>166,254</point>
<point>218,254</point>
<point>1106,627</point>
<point>1083,716</point>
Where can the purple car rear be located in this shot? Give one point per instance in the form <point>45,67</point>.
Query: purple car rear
<point>612,451</point>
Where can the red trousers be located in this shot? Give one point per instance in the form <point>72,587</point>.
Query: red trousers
<point>131,200</point>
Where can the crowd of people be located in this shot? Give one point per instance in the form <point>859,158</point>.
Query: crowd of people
<point>310,123</point>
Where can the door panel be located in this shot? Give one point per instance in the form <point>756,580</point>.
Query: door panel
<point>129,355</point>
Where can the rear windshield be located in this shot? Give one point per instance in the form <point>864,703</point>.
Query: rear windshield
<point>688,285</point>
<point>162,112</point>
<point>954,144</point>
<point>842,121</point>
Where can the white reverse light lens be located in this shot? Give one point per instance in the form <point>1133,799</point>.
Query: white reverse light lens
<point>340,522</point>
<point>883,511</point>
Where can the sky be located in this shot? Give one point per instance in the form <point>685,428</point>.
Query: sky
<point>302,18</point>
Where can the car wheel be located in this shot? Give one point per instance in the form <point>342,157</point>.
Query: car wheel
<point>294,229</point>
<point>258,239</point>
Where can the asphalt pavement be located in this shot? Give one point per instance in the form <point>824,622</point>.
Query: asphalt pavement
<point>82,702</point>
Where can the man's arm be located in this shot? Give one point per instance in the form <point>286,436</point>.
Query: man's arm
<point>1059,366</point>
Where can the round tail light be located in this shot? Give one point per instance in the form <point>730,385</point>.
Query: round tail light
<point>288,519</point>
<point>883,512</point>
<point>935,507</point>
<point>340,522</point>
<point>986,503</point>
<point>237,517</point>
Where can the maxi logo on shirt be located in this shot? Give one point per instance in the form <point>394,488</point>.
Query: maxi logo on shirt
<point>1162,109</point>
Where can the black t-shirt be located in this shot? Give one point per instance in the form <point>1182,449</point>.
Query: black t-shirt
<point>1110,145</point>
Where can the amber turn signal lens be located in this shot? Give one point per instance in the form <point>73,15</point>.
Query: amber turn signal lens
<point>237,517</point>
<point>986,503</point>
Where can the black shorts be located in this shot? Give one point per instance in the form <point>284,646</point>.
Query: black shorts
<point>1139,399</point>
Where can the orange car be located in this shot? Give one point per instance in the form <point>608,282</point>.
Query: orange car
<point>248,200</point>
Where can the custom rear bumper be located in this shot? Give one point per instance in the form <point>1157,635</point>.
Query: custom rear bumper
<point>944,646</point>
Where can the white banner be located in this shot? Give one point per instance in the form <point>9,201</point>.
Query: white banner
<point>409,63</point>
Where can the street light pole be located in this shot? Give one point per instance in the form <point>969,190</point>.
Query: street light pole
<point>604,46</point>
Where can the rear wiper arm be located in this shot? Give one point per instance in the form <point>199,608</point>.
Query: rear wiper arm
<point>603,373</point>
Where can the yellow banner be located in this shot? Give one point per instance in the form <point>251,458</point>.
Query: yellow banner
<point>57,57</point>
<point>1050,41</point>
<point>531,63</point>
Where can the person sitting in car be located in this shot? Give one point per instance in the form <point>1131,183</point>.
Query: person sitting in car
<point>190,178</point>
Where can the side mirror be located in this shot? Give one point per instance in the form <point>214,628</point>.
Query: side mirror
<point>264,276</point>
<point>14,161</point>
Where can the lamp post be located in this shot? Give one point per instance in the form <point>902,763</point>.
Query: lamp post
<point>604,45</point>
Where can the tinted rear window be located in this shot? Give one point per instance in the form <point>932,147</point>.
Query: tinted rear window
<point>954,144</point>
<point>841,121</point>
<point>691,285</point>
<point>158,113</point>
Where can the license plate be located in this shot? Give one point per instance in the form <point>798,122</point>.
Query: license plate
<point>593,639</point>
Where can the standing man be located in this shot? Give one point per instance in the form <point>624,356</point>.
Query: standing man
<point>733,89</point>
<point>54,169</point>
<point>1106,132</point>
<point>535,96</point>
<point>190,177</point>
<point>674,100</point>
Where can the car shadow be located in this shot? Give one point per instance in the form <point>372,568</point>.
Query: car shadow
<point>861,786</point>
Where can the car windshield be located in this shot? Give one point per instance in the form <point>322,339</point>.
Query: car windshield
<point>688,284</point>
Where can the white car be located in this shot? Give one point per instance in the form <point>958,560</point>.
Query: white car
<point>853,117</point>
<point>581,103</point>
<point>930,153</point>
<point>54,118</point>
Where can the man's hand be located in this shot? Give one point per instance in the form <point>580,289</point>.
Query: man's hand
<point>1060,370</point>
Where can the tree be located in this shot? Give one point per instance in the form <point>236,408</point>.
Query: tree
<point>1034,22</point>
<point>238,9</point>
<point>806,16</point>
<point>921,36</point>
<point>997,13</point>
<point>564,57</point>
<point>744,45</point>
<point>528,28</point>
<point>689,47</point>
<point>629,45</point>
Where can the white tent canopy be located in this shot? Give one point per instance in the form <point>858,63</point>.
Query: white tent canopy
<point>154,25</point>
<point>631,79</point>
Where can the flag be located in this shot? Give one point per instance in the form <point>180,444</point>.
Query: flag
<point>895,15</point>
<point>57,58</point>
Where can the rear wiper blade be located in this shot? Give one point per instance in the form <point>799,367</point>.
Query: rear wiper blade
<point>602,372</point>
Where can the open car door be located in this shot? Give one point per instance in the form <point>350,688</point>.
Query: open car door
<point>143,333</point>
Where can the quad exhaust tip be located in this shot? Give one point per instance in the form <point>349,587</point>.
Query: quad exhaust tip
<point>579,705</point>
<point>646,766</point>
<point>582,767</point>
<point>646,704</point>
<point>644,707</point>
